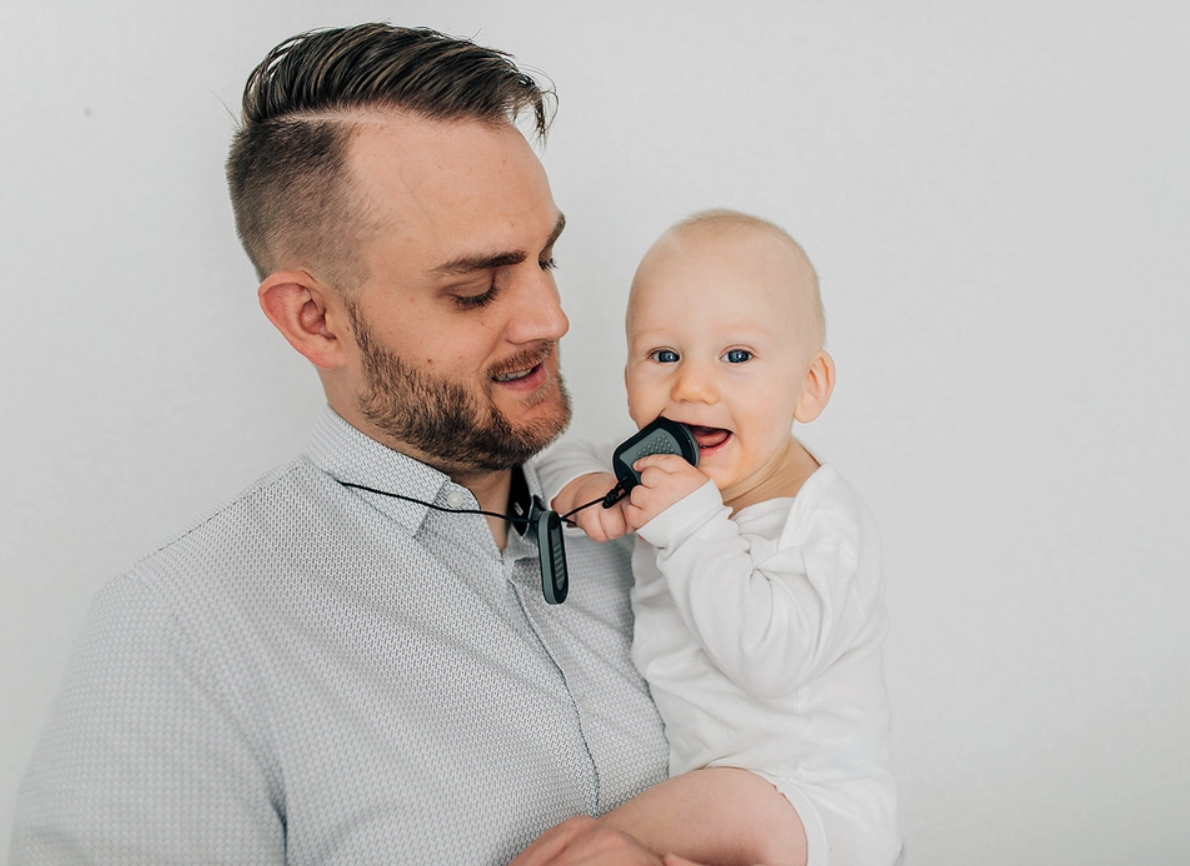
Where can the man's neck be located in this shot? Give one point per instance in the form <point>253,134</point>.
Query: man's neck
<point>490,488</point>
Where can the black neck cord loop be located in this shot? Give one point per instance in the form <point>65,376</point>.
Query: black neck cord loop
<point>551,551</point>
<point>525,520</point>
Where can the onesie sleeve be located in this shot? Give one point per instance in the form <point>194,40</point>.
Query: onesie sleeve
<point>141,761</point>
<point>769,626</point>
<point>567,460</point>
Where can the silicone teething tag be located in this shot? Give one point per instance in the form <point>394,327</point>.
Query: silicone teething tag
<point>551,553</point>
<point>661,437</point>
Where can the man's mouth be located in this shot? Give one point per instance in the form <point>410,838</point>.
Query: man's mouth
<point>515,375</point>
<point>709,437</point>
<point>522,366</point>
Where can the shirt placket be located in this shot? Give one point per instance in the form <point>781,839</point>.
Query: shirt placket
<point>547,622</point>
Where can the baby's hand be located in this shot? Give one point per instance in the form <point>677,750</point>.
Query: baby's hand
<point>664,479</point>
<point>600,524</point>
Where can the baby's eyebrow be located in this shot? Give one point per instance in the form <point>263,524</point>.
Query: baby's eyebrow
<point>650,338</point>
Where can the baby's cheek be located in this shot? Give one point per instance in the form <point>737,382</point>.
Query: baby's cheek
<point>634,405</point>
<point>643,402</point>
<point>714,476</point>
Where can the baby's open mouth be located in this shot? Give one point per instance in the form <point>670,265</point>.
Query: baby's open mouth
<point>709,437</point>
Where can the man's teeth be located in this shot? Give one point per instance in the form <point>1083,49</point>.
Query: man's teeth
<point>512,377</point>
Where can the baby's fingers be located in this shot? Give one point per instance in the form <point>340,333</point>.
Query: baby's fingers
<point>602,524</point>
<point>612,520</point>
<point>590,524</point>
<point>668,463</point>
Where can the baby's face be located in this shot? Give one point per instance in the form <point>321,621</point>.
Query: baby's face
<point>720,336</point>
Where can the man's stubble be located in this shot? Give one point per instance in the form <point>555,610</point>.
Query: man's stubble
<point>445,423</point>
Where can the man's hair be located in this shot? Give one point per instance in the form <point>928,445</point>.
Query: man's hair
<point>286,168</point>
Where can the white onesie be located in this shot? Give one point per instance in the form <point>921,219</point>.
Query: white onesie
<point>759,636</point>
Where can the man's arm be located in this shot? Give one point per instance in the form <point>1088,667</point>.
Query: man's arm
<point>142,761</point>
<point>719,815</point>
<point>583,841</point>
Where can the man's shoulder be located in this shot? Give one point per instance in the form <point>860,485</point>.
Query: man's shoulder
<point>254,520</point>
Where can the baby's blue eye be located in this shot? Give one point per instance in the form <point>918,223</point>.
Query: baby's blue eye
<point>738,356</point>
<point>665,356</point>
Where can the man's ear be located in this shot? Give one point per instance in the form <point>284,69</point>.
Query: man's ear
<point>307,314</point>
<point>816,388</point>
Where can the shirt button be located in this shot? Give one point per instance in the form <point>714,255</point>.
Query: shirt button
<point>456,499</point>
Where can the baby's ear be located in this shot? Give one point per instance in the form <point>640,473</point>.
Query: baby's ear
<point>816,388</point>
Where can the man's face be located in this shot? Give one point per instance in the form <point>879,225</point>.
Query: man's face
<point>457,322</point>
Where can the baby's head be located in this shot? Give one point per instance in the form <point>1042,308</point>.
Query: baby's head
<point>725,333</point>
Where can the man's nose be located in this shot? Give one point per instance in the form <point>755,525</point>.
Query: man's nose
<point>538,313</point>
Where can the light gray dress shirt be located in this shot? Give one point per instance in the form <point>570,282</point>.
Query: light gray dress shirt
<point>315,674</point>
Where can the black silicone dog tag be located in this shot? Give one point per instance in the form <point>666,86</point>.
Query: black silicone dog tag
<point>555,581</point>
<point>661,437</point>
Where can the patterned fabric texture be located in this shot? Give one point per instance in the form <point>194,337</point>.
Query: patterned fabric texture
<point>317,674</point>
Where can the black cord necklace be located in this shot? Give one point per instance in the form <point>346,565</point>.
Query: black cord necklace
<point>551,552</point>
<point>662,436</point>
<point>565,518</point>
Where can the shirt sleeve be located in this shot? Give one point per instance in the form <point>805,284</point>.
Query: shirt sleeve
<point>142,761</point>
<point>769,626</point>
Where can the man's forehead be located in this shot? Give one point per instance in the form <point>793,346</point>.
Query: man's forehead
<point>464,188</point>
<point>422,148</point>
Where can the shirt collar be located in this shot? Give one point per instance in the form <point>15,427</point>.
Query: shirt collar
<point>348,455</point>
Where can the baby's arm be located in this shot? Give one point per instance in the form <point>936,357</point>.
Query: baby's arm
<point>769,626</point>
<point>573,473</point>
<point>600,524</point>
<point>665,478</point>
<point>718,815</point>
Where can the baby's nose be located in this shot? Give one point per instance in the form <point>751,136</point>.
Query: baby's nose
<point>692,386</point>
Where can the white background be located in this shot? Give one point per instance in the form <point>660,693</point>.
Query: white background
<point>996,196</point>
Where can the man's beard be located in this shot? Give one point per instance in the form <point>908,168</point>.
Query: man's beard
<point>444,422</point>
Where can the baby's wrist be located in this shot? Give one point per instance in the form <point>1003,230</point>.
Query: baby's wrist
<point>672,525</point>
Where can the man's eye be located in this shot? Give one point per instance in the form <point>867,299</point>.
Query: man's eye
<point>471,302</point>
<point>664,356</point>
<point>548,265</point>
<point>737,356</point>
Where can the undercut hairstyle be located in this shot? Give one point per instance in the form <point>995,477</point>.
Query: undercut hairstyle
<point>727,218</point>
<point>287,166</point>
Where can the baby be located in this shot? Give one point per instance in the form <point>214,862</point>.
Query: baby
<point>758,597</point>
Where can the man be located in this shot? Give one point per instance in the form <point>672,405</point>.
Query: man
<point>320,673</point>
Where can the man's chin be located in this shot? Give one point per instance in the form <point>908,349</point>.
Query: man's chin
<point>540,417</point>
<point>540,432</point>
<point>455,429</point>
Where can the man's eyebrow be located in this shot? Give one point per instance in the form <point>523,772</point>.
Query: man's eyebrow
<point>470,264</point>
<point>558,226</point>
